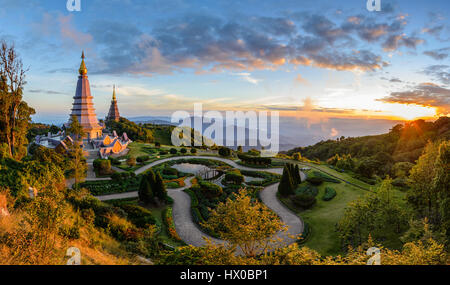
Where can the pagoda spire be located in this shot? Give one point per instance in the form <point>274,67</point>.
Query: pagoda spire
<point>113,114</point>
<point>83,69</point>
<point>114,93</point>
<point>83,105</point>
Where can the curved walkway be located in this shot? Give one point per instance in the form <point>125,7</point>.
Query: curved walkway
<point>182,217</point>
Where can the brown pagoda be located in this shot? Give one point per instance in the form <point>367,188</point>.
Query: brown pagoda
<point>113,114</point>
<point>83,107</point>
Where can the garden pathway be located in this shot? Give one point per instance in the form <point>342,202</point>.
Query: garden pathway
<point>190,232</point>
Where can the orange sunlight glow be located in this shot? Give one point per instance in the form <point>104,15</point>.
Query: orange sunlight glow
<point>409,111</point>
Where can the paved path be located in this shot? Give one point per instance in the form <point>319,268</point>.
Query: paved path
<point>190,232</point>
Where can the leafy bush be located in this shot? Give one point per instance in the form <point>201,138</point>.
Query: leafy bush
<point>173,151</point>
<point>103,166</point>
<point>143,158</point>
<point>172,185</point>
<point>138,215</point>
<point>329,194</point>
<point>315,180</point>
<point>193,150</point>
<point>114,161</point>
<point>163,152</point>
<point>249,159</point>
<point>224,151</point>
<point>400,182</point>
<point>304,200</point>
<point>170,171</point>
<point>183,150</point>
<point>307,189</point>
<point>131,161</point>
<point>194,200</point>
<point>103,187</point>
<point>235,178</point>
<point>209,189</point>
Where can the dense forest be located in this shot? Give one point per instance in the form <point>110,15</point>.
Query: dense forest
<point>392,154</point>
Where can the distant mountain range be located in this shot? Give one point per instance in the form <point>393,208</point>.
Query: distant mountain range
<point>295,132</point>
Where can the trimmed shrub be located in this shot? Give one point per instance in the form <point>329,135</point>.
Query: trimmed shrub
<point>170,171</point>
<point>116,176</point>
<point>131,161</point>
<point>307,189</point>
<point>235,178</point>
<point>163,152</point>
<point>224,151</point>
<point>183,150</point>
<point>255,160</point>
<point>173,151</point>
<point>103,166</point>
<point>193,150</point>
<point>114,161</point>
<point>329,194</point>
<point>143,158</point>
<point>304,200</point>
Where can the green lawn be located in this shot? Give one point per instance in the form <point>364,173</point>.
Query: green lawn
<point>324,216</point>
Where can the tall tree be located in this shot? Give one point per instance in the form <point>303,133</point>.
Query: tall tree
<point>145,191</point>
<point>286,186</point>
<point>245,223</point>
<point>77,162</point>
<point>160,188</point>
<point>75,128</point>
<point>15,114</point>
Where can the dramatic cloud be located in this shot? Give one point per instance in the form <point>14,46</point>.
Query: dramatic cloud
<point>438,54</point>
<point>425,94</point>
<point>207,43</point>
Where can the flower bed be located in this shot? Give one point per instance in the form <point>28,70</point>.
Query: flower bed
<point>168,221</point>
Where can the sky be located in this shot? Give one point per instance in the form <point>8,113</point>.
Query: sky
<point>315,61</point>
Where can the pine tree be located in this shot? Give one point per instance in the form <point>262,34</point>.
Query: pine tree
<point>145,191</point>
<point>160,188</point>
<point>286,186</point>
<point>297,174</point>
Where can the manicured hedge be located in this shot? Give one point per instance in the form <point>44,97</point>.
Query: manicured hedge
<point>304,200</point>
<point>235,178</point>
<point>255,159</point>
<point>103,187</point>
<point>307,189</point>
<point>329,194</point>
<point>168,221</point>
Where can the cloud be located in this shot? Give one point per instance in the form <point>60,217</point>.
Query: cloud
<point>50,92</point>
<point>209,43</point>
<point>68,32</point>
<point>395,41</point>
<point>438,54</point>
<point>395,80</point>
<point>440,72</point>
<point>334,132</point>
<point>300,80</point>
<point>425,94</point>
<point>248,77</point>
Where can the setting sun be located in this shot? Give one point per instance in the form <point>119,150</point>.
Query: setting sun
<point>410,111</point>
